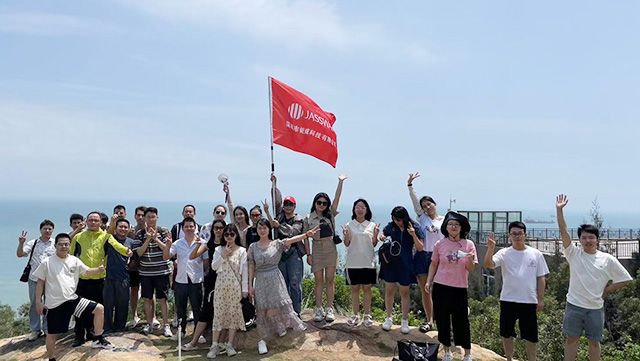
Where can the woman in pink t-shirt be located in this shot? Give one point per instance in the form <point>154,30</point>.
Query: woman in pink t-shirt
<point>453,258</point>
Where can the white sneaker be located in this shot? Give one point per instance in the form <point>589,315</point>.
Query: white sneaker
<point>319,316</point>
<point>262,347</point>
<point>448,356</point>
<point>167,331</point>
<point>405,327</point>
<point>34,336</point>
<point>201,339</point>
<point>354,320</point>
<point>467,358</point>
<point>230,350</point>
<point>147,330</point>
<point>367,321</point>
<point>213,351</point>
<point>388,322</point>
<point>283,333</point>
<point>329,317</point>
<point>156,324</point>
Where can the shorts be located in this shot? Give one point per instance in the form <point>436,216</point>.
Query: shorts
<point>58,318</point>
<point>421,263</point>
<point>158,283</point>
<point>361,276</point>
<point>134,279</point>
<point>577,319</point>
<point>510,312</point>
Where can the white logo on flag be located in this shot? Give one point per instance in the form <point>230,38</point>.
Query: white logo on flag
<point>295,111</point>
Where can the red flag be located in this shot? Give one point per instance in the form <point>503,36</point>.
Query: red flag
<point>301,125</point>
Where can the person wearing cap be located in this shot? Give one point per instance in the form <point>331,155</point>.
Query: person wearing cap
<point>453,258</point>
<point>289,224</point>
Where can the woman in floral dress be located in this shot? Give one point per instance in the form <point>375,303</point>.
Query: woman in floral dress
<point>230,263</point>
<point>274,310</point>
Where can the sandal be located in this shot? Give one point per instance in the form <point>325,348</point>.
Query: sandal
<point>426,328</point>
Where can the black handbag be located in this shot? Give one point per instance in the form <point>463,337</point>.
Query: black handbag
<point>248,309</point>
<point>417,351</point>
<point>336,238</point>
<point>389,252</point>
<point>27,268</point>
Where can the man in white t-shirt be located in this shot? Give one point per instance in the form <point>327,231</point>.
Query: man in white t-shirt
<point>57,279</point>
<point>523,270</point>
<point>590,271</point>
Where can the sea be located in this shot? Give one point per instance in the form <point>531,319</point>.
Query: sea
<point>25,215</point>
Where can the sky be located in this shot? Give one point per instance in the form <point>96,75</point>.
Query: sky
<point>499,105</point>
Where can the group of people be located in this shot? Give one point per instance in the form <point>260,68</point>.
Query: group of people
<point>255,260</point>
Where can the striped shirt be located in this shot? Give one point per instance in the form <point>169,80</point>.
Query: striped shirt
<point>152,262</point>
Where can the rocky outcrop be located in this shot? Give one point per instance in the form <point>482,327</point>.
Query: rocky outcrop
<point>330,341</point>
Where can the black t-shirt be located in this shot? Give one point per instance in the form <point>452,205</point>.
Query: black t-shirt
<point>252,236</point>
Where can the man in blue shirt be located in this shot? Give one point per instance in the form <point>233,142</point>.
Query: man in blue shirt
<point>116,285</point>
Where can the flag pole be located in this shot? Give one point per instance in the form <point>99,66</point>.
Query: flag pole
<point>273,167</point>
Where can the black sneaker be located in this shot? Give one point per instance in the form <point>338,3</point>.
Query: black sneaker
<point>102,343</point>
<point>77,342</point>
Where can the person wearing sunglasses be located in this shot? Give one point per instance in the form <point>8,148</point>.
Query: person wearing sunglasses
<point>430,223</point>
<point>324,255</point>
<point>251,233</point>
<point>230,263</point>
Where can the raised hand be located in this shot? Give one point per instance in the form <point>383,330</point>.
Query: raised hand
<point>129,252</point>
<point>342,177</point>
<point>23,237</point>
<point>81,226</point>
<point>273,178</point>
<point>226,252</point>
<point>491,242</point>
<point>411,230</point>
<point>225,187</point>
<point>275,224</point>
<point>413,177</point>
<point>151,233</point>
<point>265,205</point>
<point>345,232</point>
<point>561,201</point>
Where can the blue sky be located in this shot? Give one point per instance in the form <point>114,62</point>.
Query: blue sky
<point>500,105</point>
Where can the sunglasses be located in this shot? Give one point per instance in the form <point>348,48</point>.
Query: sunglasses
<point>221,212</point>
<point>229,234</point>
<point>255,215</point>
<point>322,203</point>
<point>289,204</point>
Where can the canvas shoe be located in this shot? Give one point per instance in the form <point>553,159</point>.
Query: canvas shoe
<point>146,330</point>
<point>213,351</point>
<point>367,321</point>
<point>201,339</point>
<point>448,356</point>
<point>354,320</point>
<point>319,316</point>
<point>405,327</point>
<point>167,331</point>
<point>262,347</point>
<point>156,324</point>
<point>230,350</point>
<point>283,333</point>
<point>388,322</point>
<point>467,358</point>
<point>102,342</point>
<point>330,316</point>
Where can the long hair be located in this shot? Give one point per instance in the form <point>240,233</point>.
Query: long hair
<point>400,213</point>
<point>212,239</point>
<point>231,228</point>
<point>327,212</point>
<point>244,211</point>
<point>265,223</point>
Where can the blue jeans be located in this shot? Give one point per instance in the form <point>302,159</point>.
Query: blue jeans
<point>116,296</point>
<point>291,270</point>
<point>192,292</point>
<point>37,323</point>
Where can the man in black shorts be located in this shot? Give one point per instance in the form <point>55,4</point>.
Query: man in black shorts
<point>57,279</point>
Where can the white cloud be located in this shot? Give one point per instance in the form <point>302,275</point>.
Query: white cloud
<point>294,24</point>
<point>48,24</point>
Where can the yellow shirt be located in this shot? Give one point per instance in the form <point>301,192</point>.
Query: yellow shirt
<point>89,247</point>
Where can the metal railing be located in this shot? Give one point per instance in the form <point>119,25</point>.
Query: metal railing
<point>620,243</point>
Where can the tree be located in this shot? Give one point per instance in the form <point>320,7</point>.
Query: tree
<point>596,216</point>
